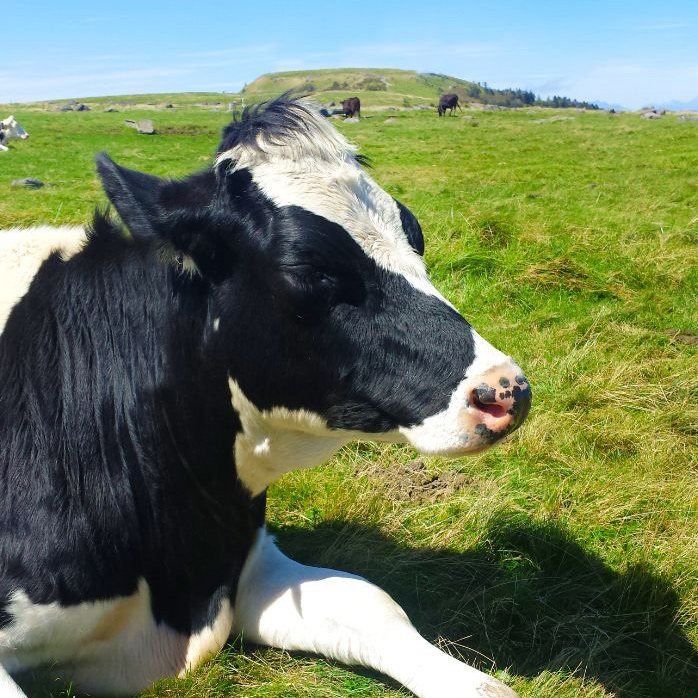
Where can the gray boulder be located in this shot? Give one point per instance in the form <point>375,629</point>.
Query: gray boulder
<point>27,182</point>
<point>391,120</point>
<point>144,126</point>
<point>82,107</point>
<point>687,118</point>
<point>352,120</point>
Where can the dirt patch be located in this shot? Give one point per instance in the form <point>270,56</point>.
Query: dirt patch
<point>683,337</point>
<point>414,482</point>
<point>185,131</point>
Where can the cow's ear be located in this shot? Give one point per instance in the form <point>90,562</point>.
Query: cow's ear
<point>178,213</point>
<point>134,195</point>
<point>412,229</point>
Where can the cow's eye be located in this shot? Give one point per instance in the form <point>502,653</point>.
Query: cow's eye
<point>309,292</point>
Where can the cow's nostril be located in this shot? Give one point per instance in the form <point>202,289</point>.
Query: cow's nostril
<point>484,399</point>
<point>491,408</point>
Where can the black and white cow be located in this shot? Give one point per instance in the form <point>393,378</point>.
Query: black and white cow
<point>259,315</point>
<point>10,129</point>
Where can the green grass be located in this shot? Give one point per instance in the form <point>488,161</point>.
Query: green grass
<point>566,559</point>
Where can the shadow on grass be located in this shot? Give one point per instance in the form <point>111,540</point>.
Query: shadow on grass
<point>528,598</point>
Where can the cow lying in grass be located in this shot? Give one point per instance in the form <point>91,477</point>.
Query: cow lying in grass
<point>261,314</point>
<point>9,129</point>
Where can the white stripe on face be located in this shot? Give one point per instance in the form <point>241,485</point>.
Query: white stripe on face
<point>319,172</point>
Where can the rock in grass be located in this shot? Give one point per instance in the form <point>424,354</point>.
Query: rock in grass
<point>28,182</point>
<point>352,120</point>
<point>144,126</point>
<point>110,109</point>
<point>390,121</point>
<point>687,118</point>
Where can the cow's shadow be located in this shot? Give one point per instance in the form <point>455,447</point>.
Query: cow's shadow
<point>527,598</point>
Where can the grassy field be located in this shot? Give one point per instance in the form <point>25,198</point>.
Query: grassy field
<point>566,560</point>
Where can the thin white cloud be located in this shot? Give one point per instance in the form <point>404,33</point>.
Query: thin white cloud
<point>425,49</point>
<point>235,52</point>
<point>664,26</point>
<point>18,88</point>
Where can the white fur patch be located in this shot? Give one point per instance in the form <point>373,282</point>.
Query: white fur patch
<point>209,639</point>
<point>23,251</point>
<point>112,646</point>
<point>277,441</point>
<point>486,356</point>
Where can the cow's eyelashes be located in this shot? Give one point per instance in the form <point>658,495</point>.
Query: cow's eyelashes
<point>309,274</point>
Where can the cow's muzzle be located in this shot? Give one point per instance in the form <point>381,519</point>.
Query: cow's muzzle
<point>483,409</point>
<point>496,405</point>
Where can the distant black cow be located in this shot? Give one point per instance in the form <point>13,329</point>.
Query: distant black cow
<point>258,315</point>
<point>352,107</point>
<point>448,101</point>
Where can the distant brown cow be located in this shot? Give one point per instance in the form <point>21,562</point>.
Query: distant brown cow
<point>352,107</point>
<point>448,101</point>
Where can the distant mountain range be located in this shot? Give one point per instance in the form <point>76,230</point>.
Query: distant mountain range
<point>674,105</point>
<point>692,105</point>
<point>608,105</point>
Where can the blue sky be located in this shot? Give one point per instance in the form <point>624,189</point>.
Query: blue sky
<point>632,53</point>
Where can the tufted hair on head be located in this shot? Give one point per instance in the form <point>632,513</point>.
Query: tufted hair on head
<point>283,129</point>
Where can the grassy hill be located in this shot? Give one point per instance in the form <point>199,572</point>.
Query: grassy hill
<point>375,86</point>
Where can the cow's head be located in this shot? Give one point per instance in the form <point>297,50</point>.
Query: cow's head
<point>321,305</point>
<point>11,129</point>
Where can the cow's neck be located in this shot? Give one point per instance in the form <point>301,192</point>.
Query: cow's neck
<point>277,441</point>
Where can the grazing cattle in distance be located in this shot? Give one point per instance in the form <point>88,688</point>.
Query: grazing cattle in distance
<point>9,129</point>
<point>255,317</point>
<point>448,101</point>
<point>351,107</point>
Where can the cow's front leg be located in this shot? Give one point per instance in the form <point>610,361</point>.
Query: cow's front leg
<point>284,604</point>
